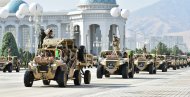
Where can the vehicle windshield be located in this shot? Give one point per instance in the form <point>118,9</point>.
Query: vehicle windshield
<point>46,53</point>
<point>106,53</point>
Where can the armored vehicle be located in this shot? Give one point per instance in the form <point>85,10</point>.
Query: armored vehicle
<point>145,62</point>
<point>115,63</point>
<point>9,64</point>
<point>188,61</point>
<point>59,60</point>
<point>183,62</point>
<point>161,63</point>
<point>172,61</point>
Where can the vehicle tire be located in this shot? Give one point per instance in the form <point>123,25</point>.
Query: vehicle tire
<point>154,70</point>
<point>151,67</point>
<point>18,69</point>
<point>107,74</point>
<point>136,70</point>
<point>9,68</point>
<point>61,79</point>
<point>4,69</point>
<point>174,67</point>
<point>182,66</point>
<point>99,72</point>
<point>46,82</point>
<point>131,74</point>
<point>125,71</point>
<point>77,77</point>
<point>87,77</point>
<point>178,67</point>
<point>164,68</point>
<point>28,79</point>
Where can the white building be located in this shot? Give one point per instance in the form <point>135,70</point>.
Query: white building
<point>91,25</point>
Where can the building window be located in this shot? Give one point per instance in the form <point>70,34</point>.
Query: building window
<point>25,38</point>
<point>11,29</point>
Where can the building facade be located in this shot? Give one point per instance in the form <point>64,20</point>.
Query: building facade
<point>90,25</point>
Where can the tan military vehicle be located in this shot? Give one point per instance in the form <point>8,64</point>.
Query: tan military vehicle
<point>145,62</point>
<point>183,61</point>
<point>161,63</point>
<point>188,60</point>
<point>59,60</point>
<point>9,64</point>
<point>115,63</point>
<point>172,62</point>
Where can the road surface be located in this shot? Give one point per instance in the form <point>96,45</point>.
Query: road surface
<point>167,84</point>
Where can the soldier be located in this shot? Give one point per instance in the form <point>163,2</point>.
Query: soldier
<point>116,42</point>
<point>49,33</point>
<point>41,38</point>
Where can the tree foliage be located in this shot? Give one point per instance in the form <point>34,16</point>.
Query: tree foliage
<point>139,51</point>
<point>9,44</point>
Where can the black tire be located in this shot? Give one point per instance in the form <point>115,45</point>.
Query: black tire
<point>151,67</point>
<point>154,70</point>
<point>182,66</point>
<point>136,70</point>
<point>28,79</point>
<point>174,67</point>
<point>99,72</point>
<point>107,74</point>
<point>4,69</point>
<point>131,74</point>
<point>77,77</point>
<point>87,77</point>
<point>164,68</point>
<point>125,71</point>
<point>61,79</point>
<point>18,69</point>
<point>178,67</point>
<point>46,82</point>
<point>10,68</point>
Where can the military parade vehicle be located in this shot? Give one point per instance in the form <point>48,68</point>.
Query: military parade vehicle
<point>188,60</point>
<point>172,61</point>
<point>183,62</point>
<point>9,64</point>
<point>115,62</point>
<point>145,62</point>
<point>59,60</point>
<point>161,63</point>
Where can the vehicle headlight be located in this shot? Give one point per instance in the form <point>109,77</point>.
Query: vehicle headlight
<point>136,62</point>
<point>161,62</point>
<point>149,62</point>
<point>53,65</point>
<point>35,65</point>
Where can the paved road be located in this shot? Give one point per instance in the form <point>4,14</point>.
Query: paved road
<point>170,84</point>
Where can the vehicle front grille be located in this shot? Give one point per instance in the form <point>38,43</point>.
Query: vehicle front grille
<point>141,64</point>
<point>111,64</point>
<point>43,68</point>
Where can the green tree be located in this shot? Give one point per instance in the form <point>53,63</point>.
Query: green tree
<point>27,57</point>
<point>9,44</point>
<point>176,50</point>
<point>162,48</point>
<point>139,51</point>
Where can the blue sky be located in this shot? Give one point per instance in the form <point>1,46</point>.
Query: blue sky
<point>56,5</point>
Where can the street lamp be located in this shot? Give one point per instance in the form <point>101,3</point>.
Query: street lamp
<point>124,13</point>
<point>34,9</point>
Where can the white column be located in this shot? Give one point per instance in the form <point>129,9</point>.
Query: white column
<point>18,36</point>
<point>31,39</point>
<point>59,30</point>
<point>105,38</point>
<point>121,32</point>
<point>83,33</point>
<point>63,29</point>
